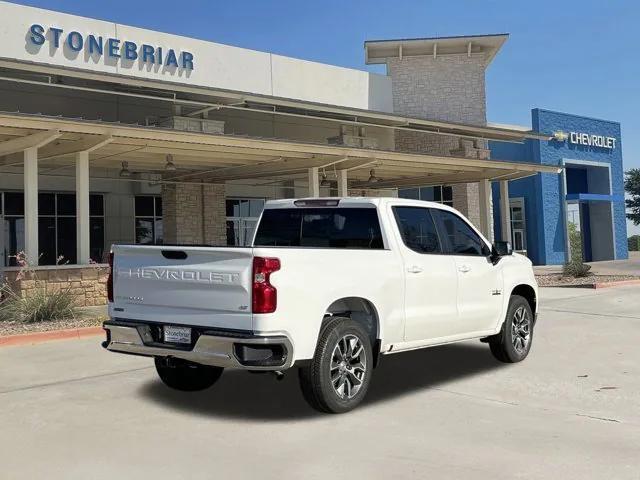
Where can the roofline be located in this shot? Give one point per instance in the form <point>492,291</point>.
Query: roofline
<point>451,37</point>
<point>586,117</point>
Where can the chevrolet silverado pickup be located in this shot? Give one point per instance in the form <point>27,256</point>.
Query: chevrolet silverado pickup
<point>328,286</point>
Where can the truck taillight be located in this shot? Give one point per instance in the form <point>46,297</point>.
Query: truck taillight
<point>110,278</point>
<point>265,295</point>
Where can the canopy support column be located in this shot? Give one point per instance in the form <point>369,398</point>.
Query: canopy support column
<point>31,248</point>
<point>505,211</point>
<point>82,208</point>
<point>484,193</point>
<point>314,182</point>
<point>343,187</point>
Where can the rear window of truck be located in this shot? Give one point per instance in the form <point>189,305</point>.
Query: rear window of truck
<point>320,228</point>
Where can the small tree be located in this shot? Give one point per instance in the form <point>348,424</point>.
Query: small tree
<point>575,267</point>
<point>575,243</point>
<point>632,187</point>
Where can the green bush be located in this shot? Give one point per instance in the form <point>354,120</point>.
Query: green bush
<point>37,306</point>
<point>576,269</point>
<point>634,243</point>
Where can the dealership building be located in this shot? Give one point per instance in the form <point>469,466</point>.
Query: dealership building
<point>116,134</point>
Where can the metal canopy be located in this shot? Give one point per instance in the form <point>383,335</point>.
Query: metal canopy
<point>219,158</point>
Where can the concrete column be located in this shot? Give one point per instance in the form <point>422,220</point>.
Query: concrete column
<point>505,211</point>
<point>31,205</point>
<point>82,208</point>
<point>484,193</point>
<point>343,187</point>
<point>314,182</point>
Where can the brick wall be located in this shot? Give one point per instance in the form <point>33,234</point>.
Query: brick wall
<point>448,88</point>
<point>87,284</point>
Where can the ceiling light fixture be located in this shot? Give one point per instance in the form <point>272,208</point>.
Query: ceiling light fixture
<point>124,171</point>
<point>324,182</point>
<point>170,166</point>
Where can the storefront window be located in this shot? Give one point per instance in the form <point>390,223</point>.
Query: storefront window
<point>56,227</point>
<point>439,194</point>
<point>148,219</point>
<point>242,218</point>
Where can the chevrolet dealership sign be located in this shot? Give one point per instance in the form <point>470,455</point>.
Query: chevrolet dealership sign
<point>589,140</point>
<point>586,139</point>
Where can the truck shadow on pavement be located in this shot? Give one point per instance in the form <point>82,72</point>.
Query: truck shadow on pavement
<point>243,396</point>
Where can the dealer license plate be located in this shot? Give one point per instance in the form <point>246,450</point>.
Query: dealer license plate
<point>177,334</point>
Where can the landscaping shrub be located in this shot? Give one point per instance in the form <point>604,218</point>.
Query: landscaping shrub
<point>576,269</point>
<point>634,243</point>
<point>37,306</point>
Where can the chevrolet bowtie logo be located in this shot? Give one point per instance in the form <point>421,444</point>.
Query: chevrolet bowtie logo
<point>560,136</point>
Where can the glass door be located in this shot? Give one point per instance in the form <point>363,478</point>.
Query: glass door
<point>518,225</point>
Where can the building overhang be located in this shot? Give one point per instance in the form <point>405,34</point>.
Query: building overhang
<point>220,158</point>
<point>378,51</point>
<point>198,100</point>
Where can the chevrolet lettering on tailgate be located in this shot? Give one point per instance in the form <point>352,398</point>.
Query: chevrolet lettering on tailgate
<point>180,275</point>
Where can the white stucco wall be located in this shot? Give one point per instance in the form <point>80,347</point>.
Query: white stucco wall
<point>215,65</point>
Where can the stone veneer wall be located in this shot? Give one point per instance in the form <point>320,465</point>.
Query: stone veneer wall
<point>194,214</point>
<point>448,88</point>
<point>87,283</point>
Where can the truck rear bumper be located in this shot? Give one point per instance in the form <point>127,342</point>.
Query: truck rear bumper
<point>230,350</point>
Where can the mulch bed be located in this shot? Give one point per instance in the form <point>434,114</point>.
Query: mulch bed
<point>556,280</point>
<point>16,328</point>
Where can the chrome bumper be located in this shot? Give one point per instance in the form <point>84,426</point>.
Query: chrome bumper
<point>219,351</point>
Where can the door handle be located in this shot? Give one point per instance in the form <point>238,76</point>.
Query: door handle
<point>414,269</point>
<point>464,269</point>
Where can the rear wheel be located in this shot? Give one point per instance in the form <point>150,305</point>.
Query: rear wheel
<point>337,378</point>
<point>513,342</point>
<point>186,376</point>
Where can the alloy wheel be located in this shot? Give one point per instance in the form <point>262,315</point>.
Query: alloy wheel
<point>348,366</point>
<point>521,330</point>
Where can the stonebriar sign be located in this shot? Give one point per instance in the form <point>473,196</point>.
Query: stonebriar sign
<point>114,48</point>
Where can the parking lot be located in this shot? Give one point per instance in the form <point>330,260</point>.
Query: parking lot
<point>571,410</point>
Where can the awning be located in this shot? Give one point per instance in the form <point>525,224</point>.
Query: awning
<point>219,158</point>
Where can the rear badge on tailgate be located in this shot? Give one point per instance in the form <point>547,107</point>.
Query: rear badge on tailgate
<point>131,299</point>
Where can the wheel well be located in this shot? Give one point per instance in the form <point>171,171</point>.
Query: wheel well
<point>528,293</point>
<point>362,311</point>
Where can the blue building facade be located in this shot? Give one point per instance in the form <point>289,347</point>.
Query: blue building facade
<point>589,193</point>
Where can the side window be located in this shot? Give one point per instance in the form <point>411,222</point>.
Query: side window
<point>417,229</point>
<point>459,237</point>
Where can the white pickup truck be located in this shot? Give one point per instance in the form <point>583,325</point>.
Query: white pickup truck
<point>329,286</point>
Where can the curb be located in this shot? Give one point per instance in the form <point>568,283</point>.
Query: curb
<point>620,283</point>
<point>41,337</point>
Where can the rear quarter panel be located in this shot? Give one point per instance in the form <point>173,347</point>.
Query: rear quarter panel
<point>311,279</point>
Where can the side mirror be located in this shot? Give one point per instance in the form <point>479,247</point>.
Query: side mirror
<point>502,248</point>
<point>499,250</point>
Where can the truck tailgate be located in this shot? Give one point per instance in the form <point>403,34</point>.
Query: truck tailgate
<point>200,286</point>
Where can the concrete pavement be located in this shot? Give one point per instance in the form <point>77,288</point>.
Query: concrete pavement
<point>571,410</point>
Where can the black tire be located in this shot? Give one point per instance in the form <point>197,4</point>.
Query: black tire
<point>347,370</point>
<point>513,343</point>
<point>186,376</point>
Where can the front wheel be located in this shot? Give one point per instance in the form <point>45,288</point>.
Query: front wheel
<point>337,378</point>
<point>186,376</point>
<point>513,342</point>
